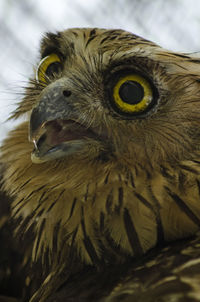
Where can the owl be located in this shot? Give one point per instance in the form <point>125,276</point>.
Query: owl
<point>105,169</point>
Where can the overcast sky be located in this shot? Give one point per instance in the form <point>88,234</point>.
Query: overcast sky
<point>174,24</point>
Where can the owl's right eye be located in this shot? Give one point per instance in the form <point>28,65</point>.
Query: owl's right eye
<point>48,67</point>
<point>132,94</point>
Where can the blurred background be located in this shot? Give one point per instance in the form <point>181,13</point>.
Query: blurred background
<point>174,24</point>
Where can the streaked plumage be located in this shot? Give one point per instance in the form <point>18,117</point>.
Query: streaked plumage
<point>129,181</point>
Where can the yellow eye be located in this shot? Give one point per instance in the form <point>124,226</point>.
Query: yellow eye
<point>48,67</point>
<point>132,94</point>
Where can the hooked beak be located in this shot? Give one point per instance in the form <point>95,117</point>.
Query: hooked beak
<point>54,129</point>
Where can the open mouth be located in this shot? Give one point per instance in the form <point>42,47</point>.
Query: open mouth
<point>58,138</point>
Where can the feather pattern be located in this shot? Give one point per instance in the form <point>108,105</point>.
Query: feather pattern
<point>134,186</point>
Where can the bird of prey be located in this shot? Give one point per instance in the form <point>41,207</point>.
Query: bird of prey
<point>102,179</point>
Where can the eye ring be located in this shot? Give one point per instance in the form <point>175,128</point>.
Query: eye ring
<point>143,90</point>
<point>45,63</point>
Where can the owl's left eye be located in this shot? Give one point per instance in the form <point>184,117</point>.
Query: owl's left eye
<point>47,68</point>
<point>132,94</point>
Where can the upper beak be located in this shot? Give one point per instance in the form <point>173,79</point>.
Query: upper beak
<point>53,105</point>
<point>53,128</point>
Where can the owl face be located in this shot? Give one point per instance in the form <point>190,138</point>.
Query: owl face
<point>110,94</point>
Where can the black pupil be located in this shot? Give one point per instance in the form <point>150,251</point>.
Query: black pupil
<point>131,92</point>
<point>52,69</point>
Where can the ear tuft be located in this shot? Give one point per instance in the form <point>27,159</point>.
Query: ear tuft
<point>50,43</point>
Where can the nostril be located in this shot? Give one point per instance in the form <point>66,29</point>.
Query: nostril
<point>67,93</point>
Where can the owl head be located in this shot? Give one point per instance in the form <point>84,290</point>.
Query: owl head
<point>108,95</point>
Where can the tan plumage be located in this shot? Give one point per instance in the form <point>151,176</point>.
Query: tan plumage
<point>132,182</point>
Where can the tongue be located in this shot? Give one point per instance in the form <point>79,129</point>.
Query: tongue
<point>58,132</point>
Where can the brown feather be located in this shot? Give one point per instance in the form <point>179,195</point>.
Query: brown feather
<point>120,195</point>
